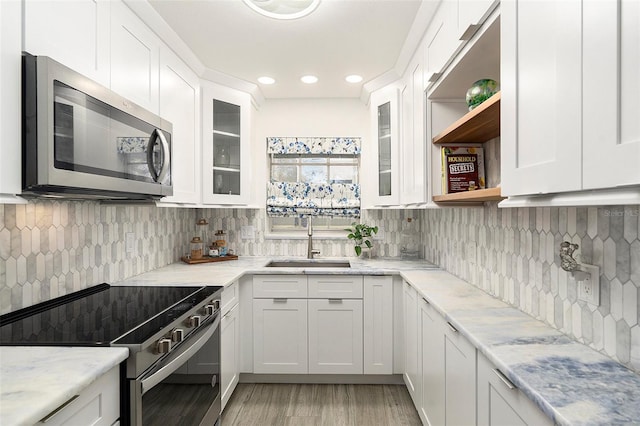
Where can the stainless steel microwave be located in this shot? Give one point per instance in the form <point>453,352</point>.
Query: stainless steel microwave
<point>81,140</point>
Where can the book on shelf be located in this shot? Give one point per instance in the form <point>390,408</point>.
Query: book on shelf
<point>462,168</point>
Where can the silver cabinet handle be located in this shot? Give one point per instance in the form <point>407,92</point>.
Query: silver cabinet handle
<point>469,32</point>
<point>57,410</point>
<point>504,379</point>
<point>280,300</point>
<point>425,301</point>
<point>455,330</point>
<point>335,300</point>
<point>158,176</point>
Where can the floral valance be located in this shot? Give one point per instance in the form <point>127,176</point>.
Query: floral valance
<point>317,145</point>
<point>313,199</point>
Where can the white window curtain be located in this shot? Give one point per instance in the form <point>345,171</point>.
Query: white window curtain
<point>331,199</point>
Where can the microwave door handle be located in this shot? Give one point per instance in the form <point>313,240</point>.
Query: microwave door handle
<point>150,145</point>
<point>178,359</point>
<point>166,156</point>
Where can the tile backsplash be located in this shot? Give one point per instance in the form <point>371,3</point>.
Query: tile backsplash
<point>51,248</point>
<point>513,254</point>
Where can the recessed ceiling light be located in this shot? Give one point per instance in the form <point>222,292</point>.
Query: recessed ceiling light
<point>283,9</point>
<point>309,79</point>
<point>353,78</point>
<point>266,80</point>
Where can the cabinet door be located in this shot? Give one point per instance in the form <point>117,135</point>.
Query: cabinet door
<point>74,33</point>
<point>269,286</point>
<point>442,40</point>
<point>280,336</point>
<point>10,99</point>
<point>413,188</point>
<point>432,402</point>
<point>335,286</point>
<point>180,104</point>
<point>541,104</point>
<point>412,343</point>
<point>460,378</point>
<point>384,176</point>
<point>98,404</point>
<point>226,116</point>
<point>500,403</point>
<point>471,13</point>
<point>229,353</point>
<point>611,93</point>
<point>135,53</point>
<point>378,325</point>
<point>335,336</point>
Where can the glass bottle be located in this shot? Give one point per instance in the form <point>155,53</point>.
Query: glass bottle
<point>409,240</point>
<point>196,248</point>
<point>222,157</point>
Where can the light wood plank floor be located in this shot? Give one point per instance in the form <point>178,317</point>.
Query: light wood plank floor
<point>330,405</point>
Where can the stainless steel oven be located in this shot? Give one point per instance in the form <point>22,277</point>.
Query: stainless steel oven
<point>80,139</point>
<point>172,374</point>
<point>183,388</point>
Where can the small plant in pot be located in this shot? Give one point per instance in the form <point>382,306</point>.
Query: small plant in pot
<point>361,234</point>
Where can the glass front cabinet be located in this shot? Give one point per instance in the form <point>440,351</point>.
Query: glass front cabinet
<point>226,118</point>
<point>385,119</point>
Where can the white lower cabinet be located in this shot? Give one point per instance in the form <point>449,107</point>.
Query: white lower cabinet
<point>280,336</point>
<point>432,402</point>
<point>459,378</point>
<point>412,349</point>
<point>97,405</point>
<point>335,336</point>
<point>378,325</point>
<point>344,326</point>
<point>500,403</point>
<point>229,352</point>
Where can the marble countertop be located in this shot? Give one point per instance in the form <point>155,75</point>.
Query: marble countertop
<point>572,383</point>
<point>35,380</point>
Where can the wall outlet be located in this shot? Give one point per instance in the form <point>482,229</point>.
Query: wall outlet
<point>129,242</point>
<point>248,232</point>
<point>589,288</point>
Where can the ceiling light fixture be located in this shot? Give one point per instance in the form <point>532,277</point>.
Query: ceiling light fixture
<point>266,80</point>
<point>309,79</point>
<point>283,9</point>
<point>353,78</point>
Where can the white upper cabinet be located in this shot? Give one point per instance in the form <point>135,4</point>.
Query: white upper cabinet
<point>413,155</point>
<point>74,33</point>
<point>226,117</point>
<point>441,39</point>
<point>541,96</point>
<point>611,93</point>
<point>471,13</point>
<point>180,105</point>
<point>384,175</point>
<point>570,99</point>
<point>135,58</point>
<point>10,101</point>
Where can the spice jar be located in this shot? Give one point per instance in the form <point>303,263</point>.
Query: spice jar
<point>221,238</point>
<point>196,248</point>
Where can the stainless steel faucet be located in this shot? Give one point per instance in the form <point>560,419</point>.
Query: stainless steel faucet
<point>310,250</point>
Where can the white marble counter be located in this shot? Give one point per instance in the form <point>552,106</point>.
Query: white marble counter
<point>35,380</point>
<point>572,383</point>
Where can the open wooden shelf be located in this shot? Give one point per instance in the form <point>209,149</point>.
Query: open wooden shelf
<point>477,126</point>
<point>477,196</point>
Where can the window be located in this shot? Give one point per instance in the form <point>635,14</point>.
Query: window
<point>312,176</point>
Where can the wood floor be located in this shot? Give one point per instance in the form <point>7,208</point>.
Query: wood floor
<point>330,405</point>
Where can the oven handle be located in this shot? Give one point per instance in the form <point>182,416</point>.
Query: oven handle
<point>176,359</point>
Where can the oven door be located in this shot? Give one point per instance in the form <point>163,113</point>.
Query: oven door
<point>182,388</point>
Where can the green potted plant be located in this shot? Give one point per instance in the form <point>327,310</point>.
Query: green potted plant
<point>361,233</point>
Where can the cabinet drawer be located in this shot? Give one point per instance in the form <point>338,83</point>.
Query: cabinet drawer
<point>335,287</point>
<point>279,286</point>
<point>229,297</point>
<point>98,404</point>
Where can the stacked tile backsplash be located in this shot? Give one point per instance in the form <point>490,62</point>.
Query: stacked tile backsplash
<point>51,248</point>
<point>513,255</point>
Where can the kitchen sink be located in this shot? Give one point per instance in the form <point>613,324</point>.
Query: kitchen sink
<point>309,264</point>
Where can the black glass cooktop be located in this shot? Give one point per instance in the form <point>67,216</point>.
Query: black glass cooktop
<point>99,315</point>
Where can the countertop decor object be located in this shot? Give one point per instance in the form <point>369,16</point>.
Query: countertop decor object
<point>361,234</point>
<point>480,91</point>
<point>208,259</point>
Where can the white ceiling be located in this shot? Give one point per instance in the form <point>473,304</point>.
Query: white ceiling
<point>339,38</point>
